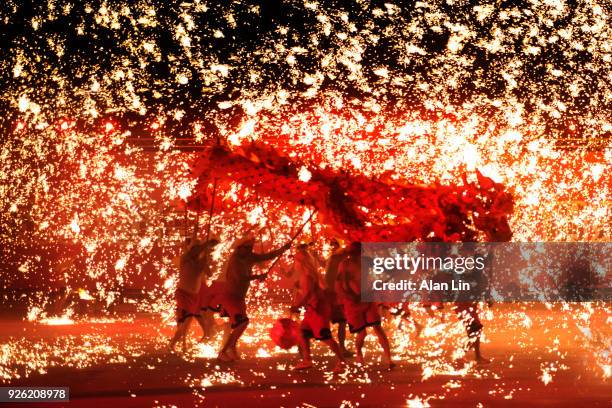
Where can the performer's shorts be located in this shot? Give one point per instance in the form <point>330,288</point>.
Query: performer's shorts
<point>187,305</point>
<point>361,315</point>
<point>207,296</point>
<point>337,314</point>
<point>233,307</point>
<point>315,325</point>
<point>337,309</point>
<point>218,299</point>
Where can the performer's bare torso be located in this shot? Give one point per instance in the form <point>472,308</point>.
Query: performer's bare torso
<point>240,268</point>
<point>308,282</point>
<point>331,272</point>
<point>349,279</point>
<point>190,270</point>
<point>239,272</point>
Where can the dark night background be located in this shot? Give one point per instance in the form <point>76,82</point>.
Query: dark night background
<point>99,49</point>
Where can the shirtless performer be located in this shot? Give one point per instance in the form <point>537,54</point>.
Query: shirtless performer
<point>318,309</point>
<point>337,314</point>
<point>230,299</point>
<point>468,314</point>
<point>359,315</point>
<point>193,262</point>
<point>206,318</point>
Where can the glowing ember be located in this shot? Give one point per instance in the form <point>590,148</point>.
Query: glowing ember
<point>57,321</point>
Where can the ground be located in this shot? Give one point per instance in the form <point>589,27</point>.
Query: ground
<point>538,359</point>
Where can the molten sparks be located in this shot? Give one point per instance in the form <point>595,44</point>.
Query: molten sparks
<point>97,152</point>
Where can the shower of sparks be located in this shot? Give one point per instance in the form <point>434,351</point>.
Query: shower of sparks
<point>92,175</point>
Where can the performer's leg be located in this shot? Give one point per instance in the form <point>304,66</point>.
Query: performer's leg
<point>474,336</point>
<point>181,333</point>
<point>304,346</point>
<point>342,340</point>
<point>202,323</point>
<point>177,335</point>
<point>479,358</point>
<point>227,331</point>
<point>359,340</point>
<point>335,348</point>
<point>186,332</point>
<point>232,350</point>
<point>310,323</point>
<point>228,352</point>
<point>207,322</point>
<point>384,342</point>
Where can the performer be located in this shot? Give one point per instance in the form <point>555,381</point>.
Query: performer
<point>468,314</point>
<point>467,311</point>
<point>230,299</point>
<point>315,323</point>
<point>359,315</point>
<point>193,260</point>
<point>337,314</point>
<point>206,317</point>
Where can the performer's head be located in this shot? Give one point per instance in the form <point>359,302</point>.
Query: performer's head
<point>304,258</point>
<point>355,248</point>
<point>335,245</point>
<point>189,243</point>
<point>212,242</point>
<point>302,248</point>
<point>246,244</point>
<point>209,245</point>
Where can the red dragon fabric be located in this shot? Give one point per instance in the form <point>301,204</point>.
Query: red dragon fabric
<point>359,208</point>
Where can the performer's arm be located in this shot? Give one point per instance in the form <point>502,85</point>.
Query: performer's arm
<point>306,286</point>
<point>206,271</point>
<point>344,284</point>
<point>354,290</point>
<point>270,255</point>
<point>260,277</point>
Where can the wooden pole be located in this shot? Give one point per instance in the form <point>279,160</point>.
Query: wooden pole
<point>292,239</point>
<point>186,222</point>
<point>196,227</point>
<point>212,208</point>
